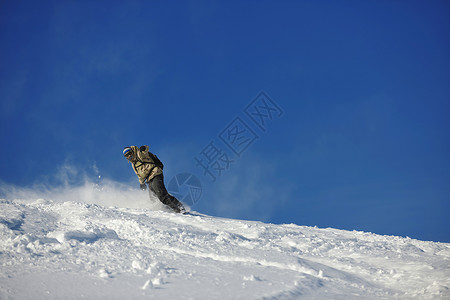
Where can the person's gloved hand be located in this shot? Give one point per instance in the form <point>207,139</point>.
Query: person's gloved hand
<point>143,186</point>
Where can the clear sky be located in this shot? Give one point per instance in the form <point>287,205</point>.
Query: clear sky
<point>358,131</point>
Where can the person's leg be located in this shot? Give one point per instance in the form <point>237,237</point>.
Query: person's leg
<point>151,192</point>
<point>157,186</point>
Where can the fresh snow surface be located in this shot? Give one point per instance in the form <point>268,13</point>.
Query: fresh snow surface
<point>91,243</point>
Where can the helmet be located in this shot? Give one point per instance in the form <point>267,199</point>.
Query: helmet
<point>126,150</point>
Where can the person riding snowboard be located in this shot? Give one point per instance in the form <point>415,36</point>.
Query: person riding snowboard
<point>149,170</point>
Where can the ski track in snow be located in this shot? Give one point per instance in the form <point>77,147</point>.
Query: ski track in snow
<point>72,250</point>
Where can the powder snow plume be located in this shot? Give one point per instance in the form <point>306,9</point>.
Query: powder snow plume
<point>107,193</point>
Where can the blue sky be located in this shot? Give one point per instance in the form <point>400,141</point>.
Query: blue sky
<point>362,143</point>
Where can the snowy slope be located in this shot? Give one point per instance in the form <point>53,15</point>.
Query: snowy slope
<point>67,249</point>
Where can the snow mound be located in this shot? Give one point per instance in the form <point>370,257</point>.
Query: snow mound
<point>72,250</point>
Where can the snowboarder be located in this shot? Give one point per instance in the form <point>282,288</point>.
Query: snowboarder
<point>149,170</point>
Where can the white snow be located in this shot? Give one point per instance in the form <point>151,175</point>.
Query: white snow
<point>113,243</point>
